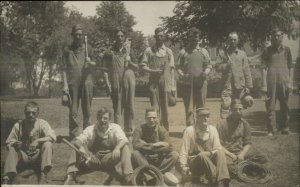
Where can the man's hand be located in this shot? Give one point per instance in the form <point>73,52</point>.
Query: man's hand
<point>241,157</point>
<point>17,145</point>
<point>186,170</point>
<point>160,144</point>
<point>65,89</point>
<point>33,145</point>
<point>247,90</point>
<point>180,72</point>
<point>116,154</point>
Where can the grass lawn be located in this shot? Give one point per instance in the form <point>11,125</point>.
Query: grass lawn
<point>282,151</point>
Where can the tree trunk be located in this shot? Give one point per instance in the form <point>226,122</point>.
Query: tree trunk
<point>50,80</point>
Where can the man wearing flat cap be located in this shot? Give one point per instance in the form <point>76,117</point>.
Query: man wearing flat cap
<point>277,74</point>
<point>78,80</point>
<point>235,137</point>
<point>201,152</point>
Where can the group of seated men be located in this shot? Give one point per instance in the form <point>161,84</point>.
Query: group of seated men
<point>207,151</point>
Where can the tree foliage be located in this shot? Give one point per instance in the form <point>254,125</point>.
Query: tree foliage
<point>253,20</point>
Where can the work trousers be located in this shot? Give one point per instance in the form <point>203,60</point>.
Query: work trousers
<point>159,100</point>
<point>277,91</point>
<point>214,167</point>
<point>194,97</point>
<point>163,162</point>
<point>226,97</point>
<point>128,101</point>
<point>80,91</point>
<point>14,158</point>
<point>122,166</point>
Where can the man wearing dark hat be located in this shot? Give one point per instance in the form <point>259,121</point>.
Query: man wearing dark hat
<point>152,145</point>
<point>277,74</point>
<point>78,80</point>
<point>158,61</point>
<point>194,66</point>
<point>235,137</point>
<point>234,64</point>
<point>201,152</point>
<point>29,144</point>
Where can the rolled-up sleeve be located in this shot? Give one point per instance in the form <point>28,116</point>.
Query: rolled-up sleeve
<point>48,131</point>
<point>216,140</point>
<point>146,57</point>
<point>119,134</point>
<point>86,137</point>
<point>13,135</point>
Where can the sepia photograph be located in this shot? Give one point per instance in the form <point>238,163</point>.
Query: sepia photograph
<point>150,93</point>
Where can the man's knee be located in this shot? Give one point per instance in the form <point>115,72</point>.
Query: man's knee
<point>219,153</point>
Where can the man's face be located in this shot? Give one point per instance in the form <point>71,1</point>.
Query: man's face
<point>159,38</point>
<point>276,38</point>
<point>202,120</point>
<point>233,40</point>
<point>120,38</point>
<point>78,37</point>
<point>194,39</point>
<point>103,121</point>
<point>151,119</point>
<point>237,111</point>
<point>31,114</point>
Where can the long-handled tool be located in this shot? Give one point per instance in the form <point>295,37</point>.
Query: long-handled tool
<point>87,159</point>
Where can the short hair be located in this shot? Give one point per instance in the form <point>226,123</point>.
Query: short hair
<point>103,111</point>
<point>236,102</point>
<point>76,28</point>
<point>32,104</point>
<point>234,32</point>
<point>193,31</point>
<point>276,29</point>
<point>150,110</point>
<point>158,29</point>
<point>120,30</point>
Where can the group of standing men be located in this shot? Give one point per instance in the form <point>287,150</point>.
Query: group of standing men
<point>205,148</point>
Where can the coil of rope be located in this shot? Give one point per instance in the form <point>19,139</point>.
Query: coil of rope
<point>251,172</point>
<point>147,175</point>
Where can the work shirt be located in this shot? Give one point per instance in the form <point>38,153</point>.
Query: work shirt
<point>28,134</point>
<point>160,59</point>
<point>194,63</point>
<point>278,61</point>
<point>195,140</point>
<point>234,135</point>
<point>108,140</point>
<point>239,70</point>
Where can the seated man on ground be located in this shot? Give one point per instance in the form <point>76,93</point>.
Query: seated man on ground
<point>106,146</point>
<point>201,153</point>
<point>151,144</point>
<point>235,137</point>
<point>29,144</point>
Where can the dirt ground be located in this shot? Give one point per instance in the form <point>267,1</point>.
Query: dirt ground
<point>282,151</point>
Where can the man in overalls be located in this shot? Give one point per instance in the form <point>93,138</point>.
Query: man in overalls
<point>238,79</point>
<point>194,66</point>
<point>120,80</point>
<point>277,73</point>
<point>78,80</point>
<point>159,62</point>
<point>106,146</point>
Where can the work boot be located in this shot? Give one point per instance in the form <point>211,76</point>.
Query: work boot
<point>70,179</point>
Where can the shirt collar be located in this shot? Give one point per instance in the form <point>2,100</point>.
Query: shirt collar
<point>199,130</point>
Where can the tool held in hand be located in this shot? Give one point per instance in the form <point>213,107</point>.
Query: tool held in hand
<point>86,159</point>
